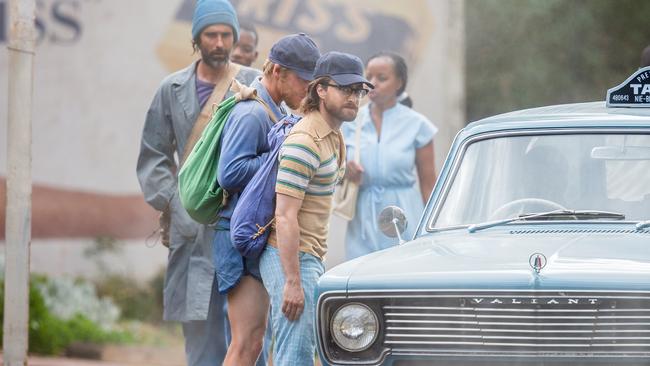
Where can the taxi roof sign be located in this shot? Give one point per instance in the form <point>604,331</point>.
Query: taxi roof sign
<point>633,92</point>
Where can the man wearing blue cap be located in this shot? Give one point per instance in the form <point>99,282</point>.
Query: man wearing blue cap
<point>185,98</point>
<point>311,162</point>
<point>286,74</point>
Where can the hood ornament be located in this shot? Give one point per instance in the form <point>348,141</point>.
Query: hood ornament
<point>537,261</point>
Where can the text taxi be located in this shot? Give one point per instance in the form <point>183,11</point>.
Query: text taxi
<point>533,249</point>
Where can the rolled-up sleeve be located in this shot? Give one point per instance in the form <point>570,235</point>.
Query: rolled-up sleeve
<point>156,167</point>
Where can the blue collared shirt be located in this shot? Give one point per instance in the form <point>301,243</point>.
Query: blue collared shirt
<point>244,146</point>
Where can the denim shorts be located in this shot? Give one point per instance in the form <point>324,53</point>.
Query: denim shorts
<point>229,265</point>
<point>295,342</point>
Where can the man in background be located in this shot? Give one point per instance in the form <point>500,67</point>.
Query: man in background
<point>185,98</point>
<point>245,51</point>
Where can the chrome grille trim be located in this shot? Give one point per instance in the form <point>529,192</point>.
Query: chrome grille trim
<point>628,356</point>
<point>521,330</point>
<point>578,231</point>
<point>399,295</point>
<point>546,345</point>
<point>514,323</point>
<point>558,323</point>
<point>595,354</point>
<point>509,310</point>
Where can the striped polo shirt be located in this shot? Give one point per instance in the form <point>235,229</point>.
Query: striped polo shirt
<point>311,162</point>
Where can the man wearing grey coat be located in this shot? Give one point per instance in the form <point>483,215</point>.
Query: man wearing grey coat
<point>190,292</point>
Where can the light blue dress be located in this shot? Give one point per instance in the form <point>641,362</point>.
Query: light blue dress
<point>390,176</point>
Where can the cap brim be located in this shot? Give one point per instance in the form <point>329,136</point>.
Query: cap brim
<point>304,75</point>
<point>349,79</point>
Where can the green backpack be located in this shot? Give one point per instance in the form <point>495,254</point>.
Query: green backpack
<point>198,187</point>
<point>199,191</point>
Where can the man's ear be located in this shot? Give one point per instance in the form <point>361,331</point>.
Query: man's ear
<point>277,71</point>
<point>320,89</point>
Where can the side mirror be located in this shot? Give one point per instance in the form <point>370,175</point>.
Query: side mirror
<point>392,222</point>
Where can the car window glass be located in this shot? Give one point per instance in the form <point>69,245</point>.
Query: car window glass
<point>506,176</point>
<point>623,182</point>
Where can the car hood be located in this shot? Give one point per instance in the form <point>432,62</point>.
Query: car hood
<point>499,259</point>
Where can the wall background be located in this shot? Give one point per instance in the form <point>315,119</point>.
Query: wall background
<point>99,62</point>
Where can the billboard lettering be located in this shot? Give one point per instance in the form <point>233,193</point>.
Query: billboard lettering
<point>57,22</point>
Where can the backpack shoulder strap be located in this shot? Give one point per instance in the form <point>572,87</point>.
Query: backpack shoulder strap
<point>218,93</point>
<point>243,92</point>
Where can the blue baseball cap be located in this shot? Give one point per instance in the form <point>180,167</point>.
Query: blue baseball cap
<point>298,53</point>
<point>343,68</point>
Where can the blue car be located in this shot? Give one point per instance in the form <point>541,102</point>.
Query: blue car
<point>534,248</point>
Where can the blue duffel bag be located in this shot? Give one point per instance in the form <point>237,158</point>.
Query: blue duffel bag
<point>255,211</point>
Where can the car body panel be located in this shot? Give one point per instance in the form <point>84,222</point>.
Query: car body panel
<point>499,258</point>
<point>596,257</point>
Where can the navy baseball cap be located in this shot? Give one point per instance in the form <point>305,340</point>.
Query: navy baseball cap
<point>298,53</point>
<point>343,68</point>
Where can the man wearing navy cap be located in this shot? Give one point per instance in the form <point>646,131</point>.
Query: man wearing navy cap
<point>183,99</point>
<point>286,74</point>
<point>311,162</point>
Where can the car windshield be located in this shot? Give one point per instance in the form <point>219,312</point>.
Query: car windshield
<point>507,176</point>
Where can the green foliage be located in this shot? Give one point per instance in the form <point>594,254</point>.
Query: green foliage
<point>527,53</point>
<point>85,330</point>
<point>137,301</point>
<point>49,334</point>
<point>104,245</point>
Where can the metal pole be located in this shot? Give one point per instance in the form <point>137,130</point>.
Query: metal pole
<point>456,76</point>
<point>19,180</point>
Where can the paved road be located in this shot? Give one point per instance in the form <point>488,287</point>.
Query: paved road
<point>55,361</point>
<point>62,361</point>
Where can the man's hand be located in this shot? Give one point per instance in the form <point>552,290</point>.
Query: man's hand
<point>354,172</point>
<point>293,300</point>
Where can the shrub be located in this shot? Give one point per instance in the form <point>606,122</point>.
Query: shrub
<point>137,301</point>
<point>66,298</point>
<point>50,334</point>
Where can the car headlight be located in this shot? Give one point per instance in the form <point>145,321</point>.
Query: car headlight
<point>354,327</point>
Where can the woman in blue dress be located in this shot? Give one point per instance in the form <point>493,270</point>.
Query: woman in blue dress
<point>396,157</point>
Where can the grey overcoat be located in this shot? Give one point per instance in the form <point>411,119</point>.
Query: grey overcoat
<point>169,121</point>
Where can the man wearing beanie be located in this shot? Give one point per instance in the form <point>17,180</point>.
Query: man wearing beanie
<point>311,162</point>
<point>186,98</point>
<point>286,74</point>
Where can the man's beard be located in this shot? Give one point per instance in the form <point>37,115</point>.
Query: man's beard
<point>340,113</point>
<point>215,59</point>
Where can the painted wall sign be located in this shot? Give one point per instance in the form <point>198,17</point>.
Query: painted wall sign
<point>57,22</point>
<point>359,27</point>
<point>98,64</point>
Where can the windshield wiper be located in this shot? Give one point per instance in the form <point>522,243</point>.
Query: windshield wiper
<point>585,215</point>
<point>551,215</point>
<point>642,224</point>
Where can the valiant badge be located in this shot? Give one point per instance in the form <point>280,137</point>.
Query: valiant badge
<point>537,261</point>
